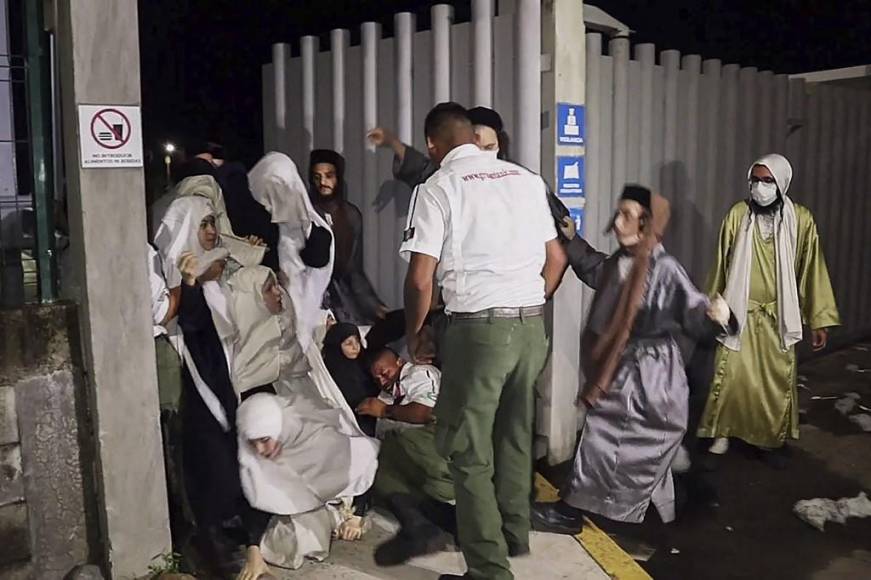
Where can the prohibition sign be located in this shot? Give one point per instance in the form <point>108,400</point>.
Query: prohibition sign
<point>110,128</point>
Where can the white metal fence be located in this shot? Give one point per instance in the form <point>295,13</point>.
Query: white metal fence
<point>690,129</point>
<point>684,127</point>
<point>330,99</point>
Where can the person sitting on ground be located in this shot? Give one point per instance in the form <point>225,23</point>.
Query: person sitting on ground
<point>408,393</point>
<point>345,359</point>
<point>413,480</point>
<point>296,449</point>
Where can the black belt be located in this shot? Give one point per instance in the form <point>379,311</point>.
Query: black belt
<point>524,312</point>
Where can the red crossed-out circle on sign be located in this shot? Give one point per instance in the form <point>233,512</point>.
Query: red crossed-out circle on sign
<point>108,121</point>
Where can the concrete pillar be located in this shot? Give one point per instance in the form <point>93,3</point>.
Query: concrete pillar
<point>558,416</point>
<point>99,64</point>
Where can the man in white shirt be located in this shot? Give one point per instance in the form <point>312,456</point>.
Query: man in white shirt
<point>408,393</point>
<point>482,227</point>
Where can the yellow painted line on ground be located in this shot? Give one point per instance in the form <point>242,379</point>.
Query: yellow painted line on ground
<point>607,554</point>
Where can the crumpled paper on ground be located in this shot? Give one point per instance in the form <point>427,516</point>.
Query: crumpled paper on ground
<point>863,420</point>
<point>818,511</point>
<point>847,403</point>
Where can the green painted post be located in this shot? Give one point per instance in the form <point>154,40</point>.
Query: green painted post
<point>39,105</point>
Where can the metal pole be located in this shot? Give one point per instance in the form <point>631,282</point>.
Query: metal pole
<point>309,50</point>
<point>442,16</point>
<point>39,105</point>
<point>404,26</point>
<point>339,41</point>
<point>527,83</point>
<point>280,56</point>
<point>482,70</point>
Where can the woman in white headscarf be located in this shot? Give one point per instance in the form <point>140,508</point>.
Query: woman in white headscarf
<point>298,452</point>
<point>305,246</point>
<point>188,240</point>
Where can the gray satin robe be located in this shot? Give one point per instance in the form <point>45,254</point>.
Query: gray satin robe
<point>633,432</point>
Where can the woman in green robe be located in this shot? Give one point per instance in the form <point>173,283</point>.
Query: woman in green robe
<point>753,395</point>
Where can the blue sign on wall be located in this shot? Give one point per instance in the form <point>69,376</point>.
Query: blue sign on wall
<point>570,124</point>
<point>570,176</point>
<point>577,215</point>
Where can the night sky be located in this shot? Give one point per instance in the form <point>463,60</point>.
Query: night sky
<point>201,59</point>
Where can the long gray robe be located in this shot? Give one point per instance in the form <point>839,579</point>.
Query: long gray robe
<point>632,433</point>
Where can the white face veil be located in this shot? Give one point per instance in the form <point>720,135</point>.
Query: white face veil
<point>276,184</point>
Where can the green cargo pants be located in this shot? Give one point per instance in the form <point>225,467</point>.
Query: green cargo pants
<point>484,428</point>
<point>408,464</point>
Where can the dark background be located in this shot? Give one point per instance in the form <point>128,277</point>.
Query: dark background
<point>201,59</point>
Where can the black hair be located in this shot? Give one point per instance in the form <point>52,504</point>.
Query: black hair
<point>443,118</point>
<point>372,356</point>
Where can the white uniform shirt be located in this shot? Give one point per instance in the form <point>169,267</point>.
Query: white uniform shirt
<point>487,222</point>
<point>159,292</point>
<point>416,384</point>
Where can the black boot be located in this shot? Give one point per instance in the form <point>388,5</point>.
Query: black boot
<point>417,536</point>
<point>557,517</point>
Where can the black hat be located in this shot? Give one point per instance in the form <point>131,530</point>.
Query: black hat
<point>637,193</point>
<point>486,117</point>
<point>216,150</point>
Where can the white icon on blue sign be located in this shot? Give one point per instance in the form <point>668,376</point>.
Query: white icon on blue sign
<point>570,176</point>
<point>570,124</point>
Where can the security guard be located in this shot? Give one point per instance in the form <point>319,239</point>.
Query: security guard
<point>482,227</point>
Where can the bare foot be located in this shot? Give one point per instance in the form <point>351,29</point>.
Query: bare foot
<point>255,565</point>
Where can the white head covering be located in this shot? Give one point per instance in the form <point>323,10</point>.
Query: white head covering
<point>259,417</point>
<point>320,459</point>
<point>737,289</point>
<point>206,187</point>
<point>779,167</point>
<point>178,233</point>
<point>276,184</point>
<point>257,360</point>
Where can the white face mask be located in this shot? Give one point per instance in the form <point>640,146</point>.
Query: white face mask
<point>763,194</point>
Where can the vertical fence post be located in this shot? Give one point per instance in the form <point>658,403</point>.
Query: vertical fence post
<point>527,83</point>
<point>339,41</point>
<point>308,50</point>
<point>404,26</point>
<point>280,58</point>
<point>39,105</point>
<point>442,16</point>
<point>482,70</point>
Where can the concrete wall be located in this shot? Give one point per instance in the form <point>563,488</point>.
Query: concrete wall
<point>46,526</point>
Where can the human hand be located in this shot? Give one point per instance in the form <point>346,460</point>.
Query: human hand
<point>188,265</point>
<point>372,407</point>
<point>255,241</point>
<point>820,338</point>
<point>351,529</point>
<point>718,311</point>
<point>421,347</point>
<point>567,227</point>
<point>213,272</point>
<point>381,137</point>
<point>381,312</point>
